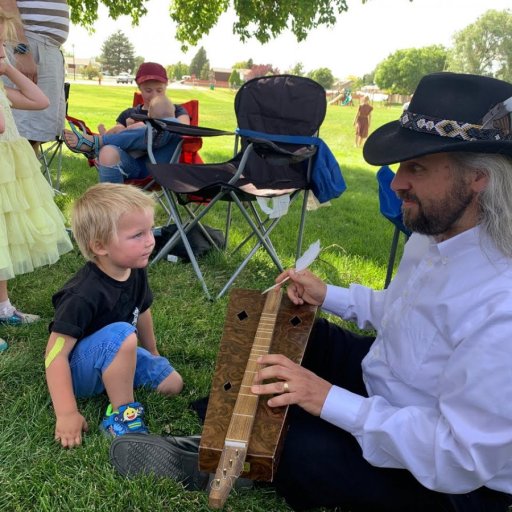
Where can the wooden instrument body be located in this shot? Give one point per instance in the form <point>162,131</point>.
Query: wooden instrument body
<point>293,326</point>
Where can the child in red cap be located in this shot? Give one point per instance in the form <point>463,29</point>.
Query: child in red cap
<point>114,162</point>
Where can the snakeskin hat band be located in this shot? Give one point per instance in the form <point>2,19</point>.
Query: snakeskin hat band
<point>449,112</point>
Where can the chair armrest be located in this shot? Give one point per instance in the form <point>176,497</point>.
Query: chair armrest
<point>180,128</point>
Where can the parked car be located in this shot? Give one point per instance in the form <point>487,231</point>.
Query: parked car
<point>125,78</point>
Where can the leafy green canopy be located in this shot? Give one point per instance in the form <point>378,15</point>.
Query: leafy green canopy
<point>401,71</point>
<point>261,19</point>
<point>485,46</point>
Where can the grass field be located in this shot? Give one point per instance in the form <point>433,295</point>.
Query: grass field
<point>37,475</point>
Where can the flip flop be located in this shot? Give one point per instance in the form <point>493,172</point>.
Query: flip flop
<point>80,133</point>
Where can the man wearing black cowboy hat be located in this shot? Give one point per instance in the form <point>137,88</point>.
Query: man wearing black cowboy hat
<point>418,418</point>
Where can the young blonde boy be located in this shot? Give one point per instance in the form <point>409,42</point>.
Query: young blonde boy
<point>103,313</point>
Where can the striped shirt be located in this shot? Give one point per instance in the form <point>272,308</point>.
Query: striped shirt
<point>48,18</point>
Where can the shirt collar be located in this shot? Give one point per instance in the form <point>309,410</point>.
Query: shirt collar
<point>459,243</point>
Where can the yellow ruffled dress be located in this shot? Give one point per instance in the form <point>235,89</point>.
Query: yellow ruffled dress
<point>32,230</point>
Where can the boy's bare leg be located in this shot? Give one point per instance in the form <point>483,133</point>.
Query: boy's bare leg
<point>118,377</point>
<point>172,385</point>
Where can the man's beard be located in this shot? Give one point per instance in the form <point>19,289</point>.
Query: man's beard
<point>439,215</point>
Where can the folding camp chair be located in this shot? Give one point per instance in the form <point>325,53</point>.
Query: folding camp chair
<point>278,120</point>
<point>51,153</point>
<point>390,207</point>
<point>188,149</point>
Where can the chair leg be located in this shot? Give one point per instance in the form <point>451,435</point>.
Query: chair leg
<point>181,234</point>
<point>247,259</point>
<point>392,256</point>
<point>47,156</point>
<point>298,252</point>
<point>263,240</point>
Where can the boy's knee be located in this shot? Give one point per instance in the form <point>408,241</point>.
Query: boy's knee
<point>172,385</point>
<point>109,156</point>
<point>129,344</point>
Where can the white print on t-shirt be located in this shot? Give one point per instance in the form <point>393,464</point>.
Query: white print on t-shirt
<point>135,316</point>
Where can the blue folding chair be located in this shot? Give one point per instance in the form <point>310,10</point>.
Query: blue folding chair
<point>390,207</point>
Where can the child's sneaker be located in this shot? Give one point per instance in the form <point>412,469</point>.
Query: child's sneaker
<point>3,345</point>
<point>17,318</point>
<point>129,419</point>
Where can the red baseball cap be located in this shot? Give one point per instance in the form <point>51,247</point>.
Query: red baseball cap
<point>151,71</point>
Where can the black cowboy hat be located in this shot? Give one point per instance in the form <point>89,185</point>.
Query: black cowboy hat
<point>445,115</point>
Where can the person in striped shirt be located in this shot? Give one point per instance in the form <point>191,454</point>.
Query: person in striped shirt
<point>37,54</point>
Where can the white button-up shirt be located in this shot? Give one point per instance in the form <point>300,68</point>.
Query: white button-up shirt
<point>439,374</point>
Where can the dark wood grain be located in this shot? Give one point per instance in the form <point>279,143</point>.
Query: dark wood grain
<point>291,333</point>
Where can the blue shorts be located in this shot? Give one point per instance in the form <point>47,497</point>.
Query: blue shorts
<point>92,356</point>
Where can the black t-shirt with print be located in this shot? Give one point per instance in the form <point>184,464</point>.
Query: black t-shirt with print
<point>91,299</point>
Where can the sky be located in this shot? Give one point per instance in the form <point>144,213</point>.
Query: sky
<point>362,37</point>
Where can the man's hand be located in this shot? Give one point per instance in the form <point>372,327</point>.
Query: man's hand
<point>294,385</point>
<point>305,287</point>
<point>68,429</point>
<point>26,64</point>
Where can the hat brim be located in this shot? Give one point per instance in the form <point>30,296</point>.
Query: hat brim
<point>147,78</point>
<point>391,143</point>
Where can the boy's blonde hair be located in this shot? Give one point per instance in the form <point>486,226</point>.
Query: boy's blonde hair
<point>160,107</point>
<point>9,24</point>
<point>95,215</point>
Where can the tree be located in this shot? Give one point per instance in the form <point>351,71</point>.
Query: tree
<point>323,76</point>
<point>261,70</point>
<point>298,69</point>
<point>260,19</point>
<point>138,61</point>
<point>401,71</point>
<point>177,70</point>
<point>234,79</point>
<point>199,61</point>
<point>244,64</point>
<point>484,47</point>
<point>90,71</point>
<point>205,72</point>
<point>117,54</point>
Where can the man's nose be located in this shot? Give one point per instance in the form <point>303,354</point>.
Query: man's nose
<point>399,181</point>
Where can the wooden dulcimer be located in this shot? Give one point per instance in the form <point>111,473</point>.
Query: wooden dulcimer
<point>242,436</point>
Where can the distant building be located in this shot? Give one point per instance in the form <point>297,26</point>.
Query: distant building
<point>75,65</point>
<point>221,74</point>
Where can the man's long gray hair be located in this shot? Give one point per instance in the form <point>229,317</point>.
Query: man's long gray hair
<point>496,200</point>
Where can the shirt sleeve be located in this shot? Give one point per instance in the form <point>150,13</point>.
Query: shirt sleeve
<point>124,115</point>
<point>461,443</point>
<point>73,313</point>
<point>357,304</point>
<point>180,111</point>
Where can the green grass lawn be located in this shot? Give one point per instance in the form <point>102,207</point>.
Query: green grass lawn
<point>35,473</point>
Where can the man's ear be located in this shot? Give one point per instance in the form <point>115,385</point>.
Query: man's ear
<point>98,248</point>
<point>480,181</point>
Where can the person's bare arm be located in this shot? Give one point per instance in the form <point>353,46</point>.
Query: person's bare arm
<point>146,332</point>
<point>27,95</point>
<point>69,422</point>
<point>115,129</point>
<point>25,63</point>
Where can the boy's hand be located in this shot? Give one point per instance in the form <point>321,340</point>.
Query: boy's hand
<point>68,429</point>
